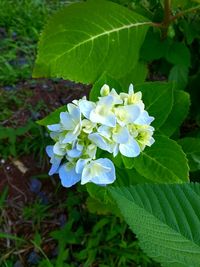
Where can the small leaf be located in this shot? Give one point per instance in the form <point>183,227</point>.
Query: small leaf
<point>179,75</point>
<point>163,162</point>
<point>178,113</point>
<point>85,39</point>
<point>153,47</point>
<point>179,54</point>
<point>166,220</point>
<point>53,117</point>
<point>191,146</point>
<point>158,100</point>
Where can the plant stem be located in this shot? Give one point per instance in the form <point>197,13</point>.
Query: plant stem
<point>167,18</point>
<point>182,13</point>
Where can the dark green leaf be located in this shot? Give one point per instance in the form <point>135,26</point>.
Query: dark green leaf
<point>158,100</point>
<point>179,75</point>
<point>191,146</point>
<point>179,112</point>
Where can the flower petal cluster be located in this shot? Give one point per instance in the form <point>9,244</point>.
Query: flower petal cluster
<point>116,123</point>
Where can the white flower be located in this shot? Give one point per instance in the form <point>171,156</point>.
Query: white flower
<point>100,171</point>
<point>144,137</point>
<point>117,123</point>
<point>127,114</point>
<point>71,121</point>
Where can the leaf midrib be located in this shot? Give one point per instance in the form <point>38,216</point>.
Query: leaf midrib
<point>102,34</point>
<point>161,165</point>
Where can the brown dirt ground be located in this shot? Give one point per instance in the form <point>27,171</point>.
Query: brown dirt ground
<point>15,174</point>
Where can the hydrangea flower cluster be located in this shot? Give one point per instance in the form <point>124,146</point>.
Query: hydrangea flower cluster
<point>117,123</point>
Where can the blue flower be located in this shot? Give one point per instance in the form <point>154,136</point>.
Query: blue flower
<point>68,175</point>
<point>55,160</point>
<point>100,171</point>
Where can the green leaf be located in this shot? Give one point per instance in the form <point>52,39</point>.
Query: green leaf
<point>179,54</point>
<point>191,147</point>
<point>163,162</point>
<point>158,100</point>
<point>100,200</point>
<point>153,47</point>
<point>179,75</point>
<point>137,75</point>
<point>166,220</point>
<point>178,113</point>
<point>53,117</point>
<point>126,177</point>
<point>85,39</point>
<point>190,29</point>
<point>104,79</point>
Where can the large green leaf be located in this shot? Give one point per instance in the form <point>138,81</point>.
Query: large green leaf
<point>178,113</point>
<point>166,220</point>
<point>163,162</point>
<point>137,75</point>
<point>191,146</point>
<point>85,39</point>
<point>158,99</point>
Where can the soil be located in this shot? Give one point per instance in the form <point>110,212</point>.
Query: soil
<point>16,174</point>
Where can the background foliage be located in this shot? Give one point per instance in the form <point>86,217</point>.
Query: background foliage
<point>135,41</point>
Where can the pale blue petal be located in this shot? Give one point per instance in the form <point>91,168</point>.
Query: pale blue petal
<point>86,107</point>
<point>100,142</point>
<point>67,121</point>
<point>116,97</point>
<point>105,131</point>
<point>130,149</point>
<point>74,112</point>
<point>104,174</point>
<point>108,119</point>
<point>131,89</point>
<point>58,149</point>
<point>115,150</point>
<point>133,112</point>
<point>107,177</point>
<point>144,119</point>
<point>49,151</point>
<point>81,163</point>
<point>55,165</point>
<point>74,153</point>
<point>68,175</point>
<point>69,137</point>
<point>54,135</point>
<point>54,127</point>
<point>122,136</point>
<point>151,141</point>
<point>106,101</point>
